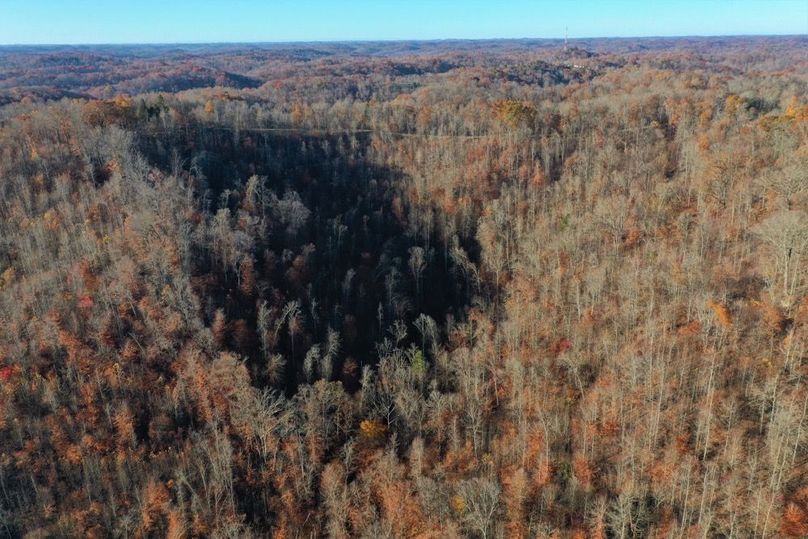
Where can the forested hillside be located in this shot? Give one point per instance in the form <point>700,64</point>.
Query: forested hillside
<point>406,290</point>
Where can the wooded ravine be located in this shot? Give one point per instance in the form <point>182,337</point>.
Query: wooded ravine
<point>427,289</point>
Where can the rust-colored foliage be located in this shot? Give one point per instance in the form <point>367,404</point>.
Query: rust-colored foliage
<point>6,373</point>
<point>722,313</point>
<point>795,515</point>
<point>155,504</point>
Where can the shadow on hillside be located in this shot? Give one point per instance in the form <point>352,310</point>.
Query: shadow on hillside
<point>356,275</point>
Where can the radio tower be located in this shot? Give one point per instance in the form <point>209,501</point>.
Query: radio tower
<point>566,35</point>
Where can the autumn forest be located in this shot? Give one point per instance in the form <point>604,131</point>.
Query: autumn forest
<point>486,289</point>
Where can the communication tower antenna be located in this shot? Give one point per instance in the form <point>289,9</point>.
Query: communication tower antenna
<point>566,35</point>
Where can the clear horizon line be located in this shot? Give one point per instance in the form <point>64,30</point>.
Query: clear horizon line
<point>390,40</point>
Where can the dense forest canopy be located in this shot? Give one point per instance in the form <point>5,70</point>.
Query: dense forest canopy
<point>405,289</point>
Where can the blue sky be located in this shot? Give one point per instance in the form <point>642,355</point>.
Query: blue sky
<point>175,21</point>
